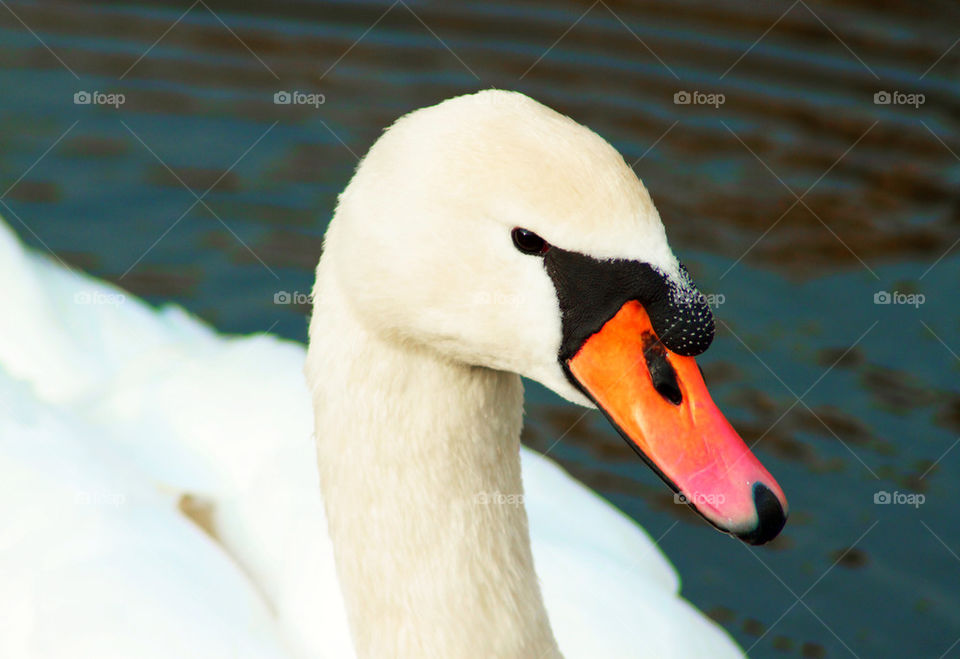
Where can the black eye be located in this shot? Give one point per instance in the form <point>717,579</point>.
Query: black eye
<point>528,242</point>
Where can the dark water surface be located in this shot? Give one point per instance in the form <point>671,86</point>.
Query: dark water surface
<point>111,191</point>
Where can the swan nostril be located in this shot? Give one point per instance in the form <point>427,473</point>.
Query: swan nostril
<point>662,375</point>
<point>670,391</point>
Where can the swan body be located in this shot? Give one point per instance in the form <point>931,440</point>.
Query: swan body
<point>115,418</point>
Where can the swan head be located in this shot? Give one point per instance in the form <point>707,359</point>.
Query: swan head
<point>501,234</point>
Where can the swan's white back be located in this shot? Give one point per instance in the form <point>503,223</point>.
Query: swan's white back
<point>111,413</point>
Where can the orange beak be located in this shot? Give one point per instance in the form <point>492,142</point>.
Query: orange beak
<point>660,404</point>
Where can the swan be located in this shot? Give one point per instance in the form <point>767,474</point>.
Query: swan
<point>166,499</point>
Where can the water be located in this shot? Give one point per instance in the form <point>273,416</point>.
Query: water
<point>879,411</point>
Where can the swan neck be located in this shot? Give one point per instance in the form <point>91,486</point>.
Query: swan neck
<point>420,472</point>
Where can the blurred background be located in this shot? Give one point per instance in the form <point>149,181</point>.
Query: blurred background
<point>804,158</point>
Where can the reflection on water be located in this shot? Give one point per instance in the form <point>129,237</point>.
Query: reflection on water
<point>798,198</point>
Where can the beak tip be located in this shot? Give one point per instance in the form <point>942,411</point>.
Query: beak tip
<point>771,516</point>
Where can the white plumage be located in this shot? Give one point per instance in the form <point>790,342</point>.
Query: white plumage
<point>115,416</point>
